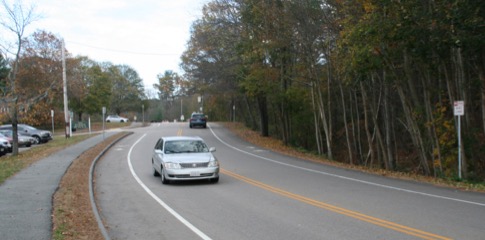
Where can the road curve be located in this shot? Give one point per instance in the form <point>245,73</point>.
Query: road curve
<point>265,195</point>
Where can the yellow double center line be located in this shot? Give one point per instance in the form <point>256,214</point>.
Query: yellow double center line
<point>380,222</point>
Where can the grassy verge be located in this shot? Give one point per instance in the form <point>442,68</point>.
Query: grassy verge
<point>278,146</point>
<point>72,216</point>
<point>10,165</point>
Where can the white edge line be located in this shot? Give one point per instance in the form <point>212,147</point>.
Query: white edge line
<point>162,203</point>
<point>347,178</point>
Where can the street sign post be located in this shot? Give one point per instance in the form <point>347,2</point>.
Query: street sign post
<point>104,112</point>
<point>52,119</point>
<point>459,110</point>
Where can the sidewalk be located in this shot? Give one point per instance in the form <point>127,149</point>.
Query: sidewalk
<point>26,198</point>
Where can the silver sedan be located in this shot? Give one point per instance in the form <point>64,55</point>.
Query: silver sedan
<point>184,158</point>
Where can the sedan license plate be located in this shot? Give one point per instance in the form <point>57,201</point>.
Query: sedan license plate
<point>195,174</point>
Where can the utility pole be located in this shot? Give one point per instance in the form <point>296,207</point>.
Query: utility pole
<point>64,82</point>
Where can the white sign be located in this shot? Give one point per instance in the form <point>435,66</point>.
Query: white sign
<point>459,108</point>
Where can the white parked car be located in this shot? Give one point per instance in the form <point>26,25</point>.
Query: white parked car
<point>181,158</point>
<point>116,118</point>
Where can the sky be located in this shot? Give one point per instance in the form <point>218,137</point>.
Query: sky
<point>148,35</point>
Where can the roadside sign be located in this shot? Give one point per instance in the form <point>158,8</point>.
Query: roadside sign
<point>459,108</point>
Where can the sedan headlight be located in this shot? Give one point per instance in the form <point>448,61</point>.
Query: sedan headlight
<point>213,163</point>
<point>170,165</point>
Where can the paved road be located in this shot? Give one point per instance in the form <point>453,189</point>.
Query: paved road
<point>26,198</point>
<point>261,195</point>
<point>265,195</point>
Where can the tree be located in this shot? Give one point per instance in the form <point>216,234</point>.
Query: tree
<point>99,88</point>
<point>127,89</point>
<point>212,60</point>
<point>166,85</point>
<point>79,70</point>
<point>40,78</point>
<point>16,20</point>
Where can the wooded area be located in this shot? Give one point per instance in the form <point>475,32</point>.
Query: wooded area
<point>31,78</point>
<point>368,82</point>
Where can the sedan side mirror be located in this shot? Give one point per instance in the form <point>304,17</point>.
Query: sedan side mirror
<point>212,149</point>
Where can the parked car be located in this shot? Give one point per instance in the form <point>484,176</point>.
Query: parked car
<point>3,150</point>
<point>41,136</point>
<point>116,118</point>
<point>198,119</point>
<point>24,140</point>
<point>6,147</point>
<point>184,158</point>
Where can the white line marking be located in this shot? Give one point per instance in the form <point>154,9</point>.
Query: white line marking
<point>162,203</point>
<point>347,178</point>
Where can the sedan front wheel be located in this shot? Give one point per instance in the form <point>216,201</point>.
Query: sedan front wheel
<point>155,173</point>
<point>162,176</point>
<point>214,180</point>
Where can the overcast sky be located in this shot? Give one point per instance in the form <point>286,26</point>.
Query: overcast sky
<point>148,35</point>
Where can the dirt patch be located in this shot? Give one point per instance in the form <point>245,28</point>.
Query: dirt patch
<point>72,215</point>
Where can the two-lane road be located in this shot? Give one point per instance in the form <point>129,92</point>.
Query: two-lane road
<point>265,195</point>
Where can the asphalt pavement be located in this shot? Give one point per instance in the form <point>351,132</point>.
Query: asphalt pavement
<point>26,198</point>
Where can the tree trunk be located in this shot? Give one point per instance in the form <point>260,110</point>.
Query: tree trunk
<point>437,166</point>
<point>316,123</point>
<point>323,118</point>
<point>263,112</point>
<point>408,104</point>
<point>283,106</point>
<point>414,131</point>
<point>356,129</point>
<point>481,75</point>
<point>375,108</point>
<point>366,126</point>
<point>347,134</point>
<point>387,126</point>
<point>15,121</point>
<point>252,121</point>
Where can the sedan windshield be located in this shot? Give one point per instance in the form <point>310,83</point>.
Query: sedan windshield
<point>185,146</point>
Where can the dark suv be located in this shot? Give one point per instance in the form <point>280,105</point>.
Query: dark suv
<point>41,136</point>
<point>198,119</point>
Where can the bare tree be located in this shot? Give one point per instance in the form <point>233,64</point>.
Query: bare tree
<point>15,19</point>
